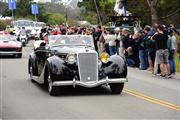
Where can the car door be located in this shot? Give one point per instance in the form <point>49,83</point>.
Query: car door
<point>41,56</point>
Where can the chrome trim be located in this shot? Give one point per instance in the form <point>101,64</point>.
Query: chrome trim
<point>79,63</point>
<point>10,52</point>
<point>89,84</point>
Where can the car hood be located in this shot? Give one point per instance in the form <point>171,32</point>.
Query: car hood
<point>72,49</point>
<point>10,44</point>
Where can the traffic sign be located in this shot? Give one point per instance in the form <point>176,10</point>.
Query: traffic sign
<point>34,9</point>
<point>12,4</point>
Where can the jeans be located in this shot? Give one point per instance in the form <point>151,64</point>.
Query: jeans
<point>130,62</point>
<point>171,62</point>
<point>106,46</point>
<point>143,57</point>
<point>112,50</point>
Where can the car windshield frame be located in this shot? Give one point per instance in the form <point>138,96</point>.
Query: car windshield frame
<point>61,40</point>
<point>24,23</point>
<point>40,24</point>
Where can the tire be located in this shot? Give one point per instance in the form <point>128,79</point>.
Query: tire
<point>116,88</point>
<point>53,90</point>
<point>24,44</point>
<point>19,55</point>
<point>31,73</point>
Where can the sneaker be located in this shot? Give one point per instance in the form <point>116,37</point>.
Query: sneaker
<point>162,76</point>
<point>168,76</point>
<point>149,69</point>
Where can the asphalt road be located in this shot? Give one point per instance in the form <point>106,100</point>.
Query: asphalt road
<point>144,97</point>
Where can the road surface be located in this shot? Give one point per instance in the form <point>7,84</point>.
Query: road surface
<point>144,97</point>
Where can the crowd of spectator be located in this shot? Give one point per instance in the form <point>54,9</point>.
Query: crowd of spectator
<point>151,48</point>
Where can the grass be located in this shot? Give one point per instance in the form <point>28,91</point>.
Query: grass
<point>177,62</point>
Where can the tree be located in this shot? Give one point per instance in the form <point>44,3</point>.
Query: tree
<point>104,8</point>
<point>153,5</point>
<point>23,8</point>
<point>56,18</point>
<point>2,25</point>
<point>3,7</point>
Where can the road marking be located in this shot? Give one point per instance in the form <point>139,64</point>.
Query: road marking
<point>153,100</point>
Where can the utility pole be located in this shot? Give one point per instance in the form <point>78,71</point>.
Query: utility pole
<point>100,22</point>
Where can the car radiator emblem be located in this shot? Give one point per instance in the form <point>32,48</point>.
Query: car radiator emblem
<point>88,78</point>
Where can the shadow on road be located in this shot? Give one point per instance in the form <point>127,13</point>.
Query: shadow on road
<point>69,91</point>
<point>8,57</point>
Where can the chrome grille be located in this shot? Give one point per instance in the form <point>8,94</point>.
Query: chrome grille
<point>88,67</point>
<point>8,49</point>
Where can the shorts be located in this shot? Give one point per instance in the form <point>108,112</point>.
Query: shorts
<point>162,56</point>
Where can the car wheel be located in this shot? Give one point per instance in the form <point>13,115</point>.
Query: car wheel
<point>19,55</point>
<point>116,88</point>
<point>53,90</point>
<point>24,44</point>
<point>31,73</point>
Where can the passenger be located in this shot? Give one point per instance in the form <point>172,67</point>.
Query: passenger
<point>45,38</point>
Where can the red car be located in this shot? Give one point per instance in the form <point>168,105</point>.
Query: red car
<point>9,45</point>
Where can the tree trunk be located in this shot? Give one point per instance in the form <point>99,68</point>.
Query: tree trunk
<point>154,17</point>
<point>97,10</point>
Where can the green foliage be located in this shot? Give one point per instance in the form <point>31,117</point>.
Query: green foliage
<point>2,25</point>
<point>56,18</point>
<point>72,22</point>
<point>90,17</point>
<point>137,8</point>
<point>141,9</point>
<point>105,7</point>
<point>23,8</point>
<point>3,7</point>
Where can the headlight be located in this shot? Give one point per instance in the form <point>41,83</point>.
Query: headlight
<point>104,57</point>
<point>70,59</point>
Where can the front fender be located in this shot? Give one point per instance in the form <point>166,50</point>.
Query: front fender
<point>115,68</point>
<point>58,70</point>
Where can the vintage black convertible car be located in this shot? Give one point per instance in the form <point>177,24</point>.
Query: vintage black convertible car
<point>72,60</point>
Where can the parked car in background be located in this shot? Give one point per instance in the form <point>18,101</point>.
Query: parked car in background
<point>71,60</point>
<point>9,45</point>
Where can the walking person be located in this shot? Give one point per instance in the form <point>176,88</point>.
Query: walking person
<point>162,53</point>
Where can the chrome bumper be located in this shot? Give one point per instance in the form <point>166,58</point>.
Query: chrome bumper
<point>89,84</point>
<point>9,53</point>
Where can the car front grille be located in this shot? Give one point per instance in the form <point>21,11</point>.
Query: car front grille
<point>88,66</point>
<point>8,49</point>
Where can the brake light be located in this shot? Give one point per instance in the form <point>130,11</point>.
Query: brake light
<point>18,49</point>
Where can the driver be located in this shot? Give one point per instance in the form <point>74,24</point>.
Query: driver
<point>23,32</point>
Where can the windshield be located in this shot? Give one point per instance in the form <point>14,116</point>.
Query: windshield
<point>24,23</point>
<point>70,40</point>
<point>7,38</point>
<point>40,24</point>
